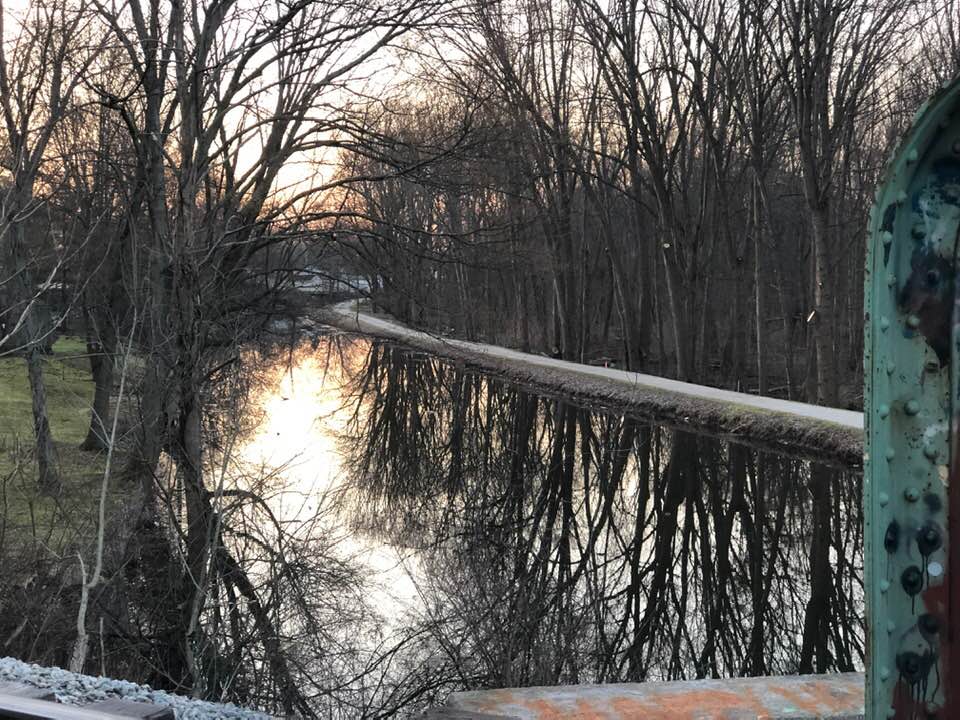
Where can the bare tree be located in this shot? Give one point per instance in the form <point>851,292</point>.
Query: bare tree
<point>219,102</point>
<point>41,67</point>
<point>830,56</point>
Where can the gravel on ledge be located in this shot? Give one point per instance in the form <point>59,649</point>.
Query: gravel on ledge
<point>76,689</point>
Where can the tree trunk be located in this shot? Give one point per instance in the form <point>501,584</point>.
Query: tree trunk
<point>101,367</point>
<point>48,476</point>
<point>189,466</point>
<point>678,317</point>
<point>824,332</point>
<point>759,227</point>
<point>813,650</point>
<point>150,426</point>
<point>47,465</point>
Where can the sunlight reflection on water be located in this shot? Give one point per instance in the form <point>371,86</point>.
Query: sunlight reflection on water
<point>306,404</point>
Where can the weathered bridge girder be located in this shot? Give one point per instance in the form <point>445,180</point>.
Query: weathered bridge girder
<point>911,369</point>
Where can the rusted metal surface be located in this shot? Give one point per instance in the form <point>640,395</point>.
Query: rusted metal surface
<point>912,381</point>
<point>808,697</point>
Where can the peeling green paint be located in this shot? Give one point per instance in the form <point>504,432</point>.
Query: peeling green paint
<point>911,370</point>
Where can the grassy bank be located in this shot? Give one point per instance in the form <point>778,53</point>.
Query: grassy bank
<point>27,514</point>
<point>69,393</point>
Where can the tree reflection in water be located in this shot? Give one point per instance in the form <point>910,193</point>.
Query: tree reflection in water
<point>561,544</point>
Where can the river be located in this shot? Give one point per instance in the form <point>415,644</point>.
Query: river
<point>534,541</point>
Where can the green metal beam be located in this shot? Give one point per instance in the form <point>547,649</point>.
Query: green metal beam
<point>911,367</point>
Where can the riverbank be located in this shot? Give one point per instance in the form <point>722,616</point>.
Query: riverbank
<point>829,435</point>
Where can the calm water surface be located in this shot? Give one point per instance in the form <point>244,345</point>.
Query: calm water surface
<point>305,406</point>
<point>539,542</point>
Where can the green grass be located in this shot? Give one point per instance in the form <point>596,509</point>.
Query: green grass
<point>69,394</point>
<point>28,514</point>
<point>70,345</point>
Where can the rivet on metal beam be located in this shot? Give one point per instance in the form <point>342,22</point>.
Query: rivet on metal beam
<point>913,155</point>
<point>891,537</point>
<point>911,407</point>
<point>929,540</point>
<point>884,585</point>
<point>890,453</point>
<point>891,626</point>
<point>891,280</point>
<point>891,366</point>
<point>887,237</point>
<point>902,197</point>
<point>930,453</point>
<point>883,411</point>
<point>883,498</point>
<point>884,323</point>
<point>911,494</point>
<point>912,580</point>
<point>913,322</point>
<point>884,673</point>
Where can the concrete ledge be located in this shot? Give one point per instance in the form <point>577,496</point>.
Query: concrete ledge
<point>806,697</point>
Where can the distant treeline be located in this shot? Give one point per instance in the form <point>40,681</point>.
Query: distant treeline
<point>676,186</point>
<point>680,186</point>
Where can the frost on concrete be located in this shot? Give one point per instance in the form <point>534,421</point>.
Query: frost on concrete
<point>76,689</point>
<point>826,434</point>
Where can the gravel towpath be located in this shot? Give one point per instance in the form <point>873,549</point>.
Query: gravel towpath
<point>827,434</point>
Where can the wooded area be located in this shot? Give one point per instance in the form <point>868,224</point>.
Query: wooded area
<point>673,186</point>
<point>164,175</point>
<point>681,187</point>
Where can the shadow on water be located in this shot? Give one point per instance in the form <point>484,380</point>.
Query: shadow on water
<point>559,544</point>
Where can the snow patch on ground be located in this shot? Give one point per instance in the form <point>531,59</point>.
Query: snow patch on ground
<point>76,689</point>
